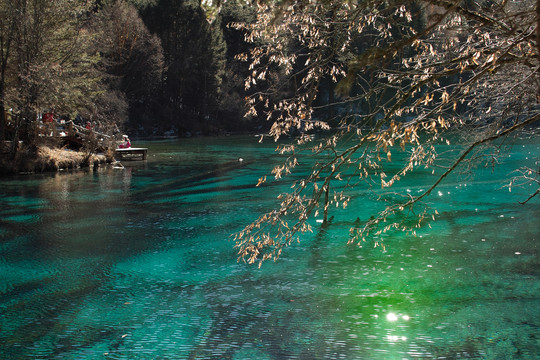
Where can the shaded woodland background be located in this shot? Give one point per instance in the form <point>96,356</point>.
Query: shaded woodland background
<point>151,68</point>
<point>167,67</point>
<point>148,67</point>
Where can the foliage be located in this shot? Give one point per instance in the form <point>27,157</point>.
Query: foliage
<point>152,66</point>
<point>50,62</point>
<point>231,101</point>
<point>194,53</point>
<point>132,58</point>
<point>407,75</point>
<point>7,35</point>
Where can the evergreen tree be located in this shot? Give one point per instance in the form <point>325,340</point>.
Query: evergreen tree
<point>132,58</point>
<point>194,53</point>
<point>231,102</point>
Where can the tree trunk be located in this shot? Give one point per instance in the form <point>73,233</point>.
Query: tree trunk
<point>538,27</point>
<point>538,43</point>
<point>326,204</point>
<point>2,116</point>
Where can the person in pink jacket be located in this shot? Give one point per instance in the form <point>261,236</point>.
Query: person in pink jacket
<point>126,144</point>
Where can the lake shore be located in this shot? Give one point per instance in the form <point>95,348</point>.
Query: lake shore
<point>42,158</point>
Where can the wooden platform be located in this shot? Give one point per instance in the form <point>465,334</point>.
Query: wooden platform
<point>132,153</point>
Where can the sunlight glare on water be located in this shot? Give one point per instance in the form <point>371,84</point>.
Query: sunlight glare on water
<point>138,263</point>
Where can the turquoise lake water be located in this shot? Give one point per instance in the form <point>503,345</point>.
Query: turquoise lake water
<point>138,263</point>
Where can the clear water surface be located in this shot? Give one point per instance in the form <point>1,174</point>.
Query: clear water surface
<point>138,263</point>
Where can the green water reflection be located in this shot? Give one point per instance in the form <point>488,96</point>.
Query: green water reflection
<point>137,263</point>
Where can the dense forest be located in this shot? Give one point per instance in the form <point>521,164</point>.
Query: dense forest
<point>150,68</point>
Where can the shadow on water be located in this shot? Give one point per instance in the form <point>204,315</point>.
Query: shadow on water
<point>216,171</point>
<point>48,310</point>
<point>137,263</point>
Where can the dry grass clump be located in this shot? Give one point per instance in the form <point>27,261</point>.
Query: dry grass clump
<point>53,159</point>
<point>36,159</point>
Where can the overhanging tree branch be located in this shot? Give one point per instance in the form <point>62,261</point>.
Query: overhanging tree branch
<point>413,85</point>
<point>413,200</point>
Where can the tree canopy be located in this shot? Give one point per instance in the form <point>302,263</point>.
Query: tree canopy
<point>380,77</point>
<point>147,67</point>
<point>46,62</point>
<point>133,63</point>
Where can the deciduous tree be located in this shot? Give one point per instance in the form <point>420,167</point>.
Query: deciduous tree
<point>49,62</point>
<point>7,35</point>
<point>406,75</point>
